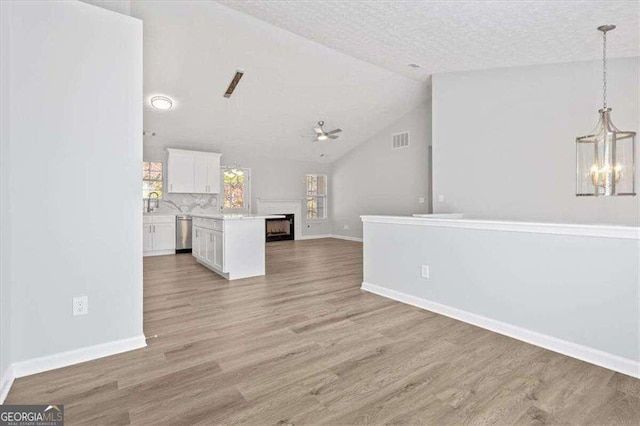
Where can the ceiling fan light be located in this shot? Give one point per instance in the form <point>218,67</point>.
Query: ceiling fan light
<point>322,137</point>
<point>161,102</point>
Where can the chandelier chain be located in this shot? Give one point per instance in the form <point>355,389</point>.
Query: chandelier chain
<point>604,70</point>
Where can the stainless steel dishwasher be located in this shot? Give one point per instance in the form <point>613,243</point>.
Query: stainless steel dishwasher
<point>183,234</point>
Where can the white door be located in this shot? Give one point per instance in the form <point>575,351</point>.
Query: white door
<point>218,249</point>
<point>180,173</point>
<point>201,179</point>
<point>147,237</point>
<point>164,236</point>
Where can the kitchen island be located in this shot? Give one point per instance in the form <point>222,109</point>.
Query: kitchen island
<point>231,245</point>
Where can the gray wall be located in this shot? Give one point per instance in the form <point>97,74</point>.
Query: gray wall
<point>504,140</point>
<point>270,178</point>
<point>75,149</point>
<point>580,289</point>
<point>374,179</point>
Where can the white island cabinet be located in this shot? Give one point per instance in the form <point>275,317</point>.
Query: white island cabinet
<point>231,245</point>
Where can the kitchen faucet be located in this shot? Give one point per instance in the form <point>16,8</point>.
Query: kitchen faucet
<point>149,210</point>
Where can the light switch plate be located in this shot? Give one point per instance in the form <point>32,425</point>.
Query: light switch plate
<point>425,271</point>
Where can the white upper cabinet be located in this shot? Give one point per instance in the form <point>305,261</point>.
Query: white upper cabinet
<point>207,174</point>
<point>180,172</point>
<point>193,172</point>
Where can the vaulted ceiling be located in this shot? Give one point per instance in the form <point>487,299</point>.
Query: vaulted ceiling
<point>191,52</point>
<point>456,35</point>
<point>344,62</point>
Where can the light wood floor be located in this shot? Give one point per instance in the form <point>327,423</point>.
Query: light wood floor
<point>304,345</point>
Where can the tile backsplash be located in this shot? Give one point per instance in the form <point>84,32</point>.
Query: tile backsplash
<point>186,203</point>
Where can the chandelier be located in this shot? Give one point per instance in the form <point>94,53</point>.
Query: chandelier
<point>605,158</point>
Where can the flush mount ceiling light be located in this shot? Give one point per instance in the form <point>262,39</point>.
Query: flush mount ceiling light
<point>605,163</point>
<point>161,102</point>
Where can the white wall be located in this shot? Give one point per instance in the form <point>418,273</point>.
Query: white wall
<point>504,140</point>
<point>374,179</point>
<point>75,149</point>
<point>5,210</point>
<point>270,178</point>
<point>582,290</point>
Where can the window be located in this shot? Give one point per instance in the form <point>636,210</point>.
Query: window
<point>237,189</point>
<point>316,197</point>
<point>151,179</point>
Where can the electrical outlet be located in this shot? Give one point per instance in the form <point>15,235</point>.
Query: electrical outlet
<point>80,305</point>
<point>420,200</point>
<point>425,271</point>
<point>441,198</point>
<point>345,226</point>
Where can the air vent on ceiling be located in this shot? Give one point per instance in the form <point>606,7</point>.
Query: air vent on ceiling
<point>234,83</point>
<point>400,140</point>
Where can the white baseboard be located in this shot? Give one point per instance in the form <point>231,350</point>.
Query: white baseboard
<point>6,382</point>
<point>158,253</point>
<point>584,353</point>
<point>340,237</point>
<point>76,356</point>
<point>313,237</point>
<point>344,237</point>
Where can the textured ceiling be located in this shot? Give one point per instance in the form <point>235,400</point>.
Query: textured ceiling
<point>444,36</point>
<point>191,52</point>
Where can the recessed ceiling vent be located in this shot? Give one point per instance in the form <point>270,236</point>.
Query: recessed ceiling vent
<point>400,140</point>
<point>234,83</point>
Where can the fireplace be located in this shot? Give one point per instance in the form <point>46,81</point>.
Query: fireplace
<point>280,229</point>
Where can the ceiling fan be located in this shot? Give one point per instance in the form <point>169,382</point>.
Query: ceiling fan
<point>321,135</point>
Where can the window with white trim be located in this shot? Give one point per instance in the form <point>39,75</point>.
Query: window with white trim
<point>316,197</point>
<point>151,179</point>
<point>236,189</point>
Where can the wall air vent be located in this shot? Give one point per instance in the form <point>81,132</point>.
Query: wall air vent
<point>400,140</point>
<point>234,83</point>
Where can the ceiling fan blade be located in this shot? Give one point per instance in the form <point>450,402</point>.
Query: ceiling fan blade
<point>334,131</point>
<point>318,130</point>
<point>332,137</point>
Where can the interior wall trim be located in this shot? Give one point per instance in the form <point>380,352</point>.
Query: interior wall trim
<point>340,237</point>
<point>346,237</point>
<point>76,356</point>
<point>6,383</point>
<point>583,230</point>
<point>594,356</point>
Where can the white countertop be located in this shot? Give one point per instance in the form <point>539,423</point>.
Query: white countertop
<point>237,216</point>
<point>221,216</point>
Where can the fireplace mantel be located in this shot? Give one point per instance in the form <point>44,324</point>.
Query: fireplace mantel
<point>283,206</point>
